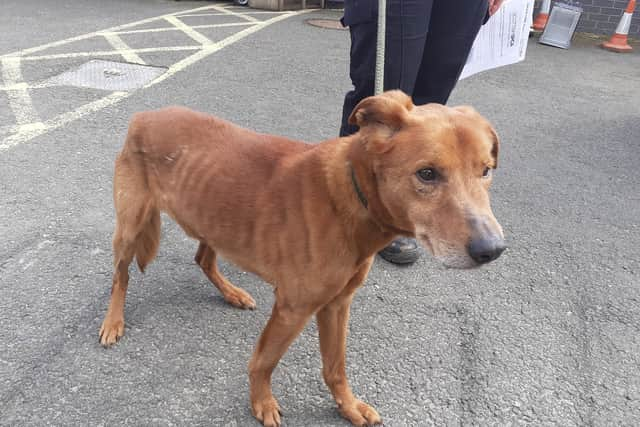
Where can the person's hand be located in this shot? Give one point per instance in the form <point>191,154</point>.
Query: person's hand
<point>494,5</point>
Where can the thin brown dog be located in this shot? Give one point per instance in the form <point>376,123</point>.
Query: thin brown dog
<point>308,219</point>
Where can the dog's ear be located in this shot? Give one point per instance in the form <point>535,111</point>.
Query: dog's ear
<point>384,113</point>
<point>466,109</point>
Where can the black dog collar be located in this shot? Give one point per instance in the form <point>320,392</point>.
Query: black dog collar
<point>356,187</point>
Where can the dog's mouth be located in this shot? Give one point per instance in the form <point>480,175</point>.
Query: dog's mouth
<point>447,254</point>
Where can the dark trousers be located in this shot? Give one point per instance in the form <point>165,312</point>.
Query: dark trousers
<point>427,45</point>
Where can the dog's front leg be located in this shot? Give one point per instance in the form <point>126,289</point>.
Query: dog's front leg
<point>283,327</point>
<point>332,328</point>
<point>333,321</point>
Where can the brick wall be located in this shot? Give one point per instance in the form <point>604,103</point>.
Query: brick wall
<point>602,17</point>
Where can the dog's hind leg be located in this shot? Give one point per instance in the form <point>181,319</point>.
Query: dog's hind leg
<point>206,258</point>
<point>137,233</point>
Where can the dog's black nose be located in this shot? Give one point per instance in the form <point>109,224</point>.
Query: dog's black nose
<point>484,250</point>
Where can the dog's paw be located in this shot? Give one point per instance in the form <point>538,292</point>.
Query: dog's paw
<point>111,331</point>
<point>240,298</point>
<point>267,411</point>
<point>360,414</point>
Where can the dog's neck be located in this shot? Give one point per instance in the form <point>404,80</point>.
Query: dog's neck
<point>353,191</point>
<point>356,187</point>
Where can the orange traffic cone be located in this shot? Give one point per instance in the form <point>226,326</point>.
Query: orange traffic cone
<point>543,16</point>
<point>618,41</point>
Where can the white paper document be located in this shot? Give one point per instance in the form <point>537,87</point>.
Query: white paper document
<point>503,39</point>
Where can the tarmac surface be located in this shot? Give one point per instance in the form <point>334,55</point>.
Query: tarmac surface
<point>547,335</point>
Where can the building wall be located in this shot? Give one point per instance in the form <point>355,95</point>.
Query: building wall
<point>602,17</point>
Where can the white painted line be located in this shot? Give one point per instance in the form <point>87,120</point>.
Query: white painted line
<point>229,24</point>
<point>28,131</point>
<point>26,128</point>
<point>96,33</point>
<point>119,45</point>
<point>159,30</point>
<point>252,12</point>
<point>208,50</point>
<point>33,130</point>
<point>249,10</point>
<point>9,129</point>
<point>23,86</point>
<point>188,30</point>
<point>110,52</point>
<point>232,13</point>
<point>19,99</point>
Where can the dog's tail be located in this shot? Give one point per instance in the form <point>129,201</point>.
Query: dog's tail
<point>137,216</point>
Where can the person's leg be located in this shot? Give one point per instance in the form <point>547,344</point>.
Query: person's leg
<point>407,30</point>
<point>407,25</point>
<point>453,28</point>
<point>361,70</point>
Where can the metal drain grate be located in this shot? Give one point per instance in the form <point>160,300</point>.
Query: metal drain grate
<point>109,75</point>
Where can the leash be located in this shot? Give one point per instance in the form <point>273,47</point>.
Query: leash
<point>382,32</point>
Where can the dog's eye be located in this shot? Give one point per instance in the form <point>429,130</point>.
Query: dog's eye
<point>427,175</point>
<point>486,173</point>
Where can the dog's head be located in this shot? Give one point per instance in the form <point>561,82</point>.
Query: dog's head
<point>426,172</point>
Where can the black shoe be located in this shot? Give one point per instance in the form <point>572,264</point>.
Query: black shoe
<point>401,251</point>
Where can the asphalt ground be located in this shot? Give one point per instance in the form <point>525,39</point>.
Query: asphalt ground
<point>548,335</point>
